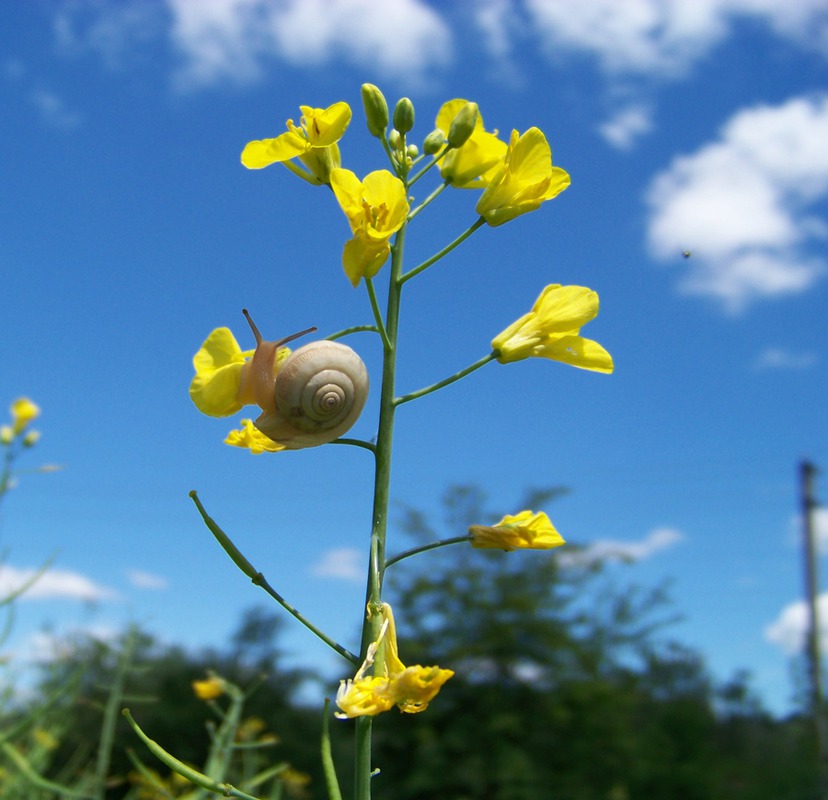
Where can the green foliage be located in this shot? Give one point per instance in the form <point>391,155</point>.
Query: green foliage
<point>75,695</point>
<point>566,686</point>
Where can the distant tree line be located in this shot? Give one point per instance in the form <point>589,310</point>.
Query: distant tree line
<point>567,687</point>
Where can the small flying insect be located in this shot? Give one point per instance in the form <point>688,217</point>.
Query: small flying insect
<point>686,253</point>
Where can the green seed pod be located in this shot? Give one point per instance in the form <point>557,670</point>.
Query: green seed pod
<point>434,142</point>
<point>404,115</point>
<point>376,109</point>
<point>462,125</point>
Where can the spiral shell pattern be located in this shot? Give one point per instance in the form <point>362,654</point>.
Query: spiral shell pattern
<point>320,391</point>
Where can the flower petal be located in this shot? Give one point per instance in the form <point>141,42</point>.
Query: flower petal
<point>262,153</point>
<point>526,530</point>
<point>577,352</point>
<point>253,439</point>
<point>218,365</point>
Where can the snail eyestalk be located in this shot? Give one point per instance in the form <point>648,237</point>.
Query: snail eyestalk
<point>259,338</point>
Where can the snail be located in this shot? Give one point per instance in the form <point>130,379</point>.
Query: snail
<point>309,398</point>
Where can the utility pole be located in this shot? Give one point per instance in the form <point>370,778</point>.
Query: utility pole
<point>808,504</point>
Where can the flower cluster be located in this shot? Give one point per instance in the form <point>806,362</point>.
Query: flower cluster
<point>411,689</point>
<point>513,177</point>
<point>23,412</point>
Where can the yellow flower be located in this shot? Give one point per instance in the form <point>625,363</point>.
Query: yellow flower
<point>551,328</point>
<point>6,434</point>
<point>45,739</point>
<point>475,163</point>
<point>23,411</point>
<point>209,689</point>
<point>313,142</point>
<point>524,181</point>
<point>376,208</point>
<point>411,689</point>
<point>295,782</point>
<point>524,531</point>
<point>218,366</point>
<point>228,378</point>
<point>253,439</point>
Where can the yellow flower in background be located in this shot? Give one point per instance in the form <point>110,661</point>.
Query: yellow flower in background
<point>524,531</point>
<point>217,382</point>
<point>209,689</point>
<point>411,689</point>
<point>551,330</point>
<point>376,208</point>
<point>23,411</point>
<point>524,181</point>
<point>6,434</point>
<point>472,165</point>
<point>313,142</point>
<point>253,439</point>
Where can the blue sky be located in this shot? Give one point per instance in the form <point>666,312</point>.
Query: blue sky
<point>130,230</point>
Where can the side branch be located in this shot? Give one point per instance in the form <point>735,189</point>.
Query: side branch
<point>259,580</point>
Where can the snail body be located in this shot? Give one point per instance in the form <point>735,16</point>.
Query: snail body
<point>311,397</point>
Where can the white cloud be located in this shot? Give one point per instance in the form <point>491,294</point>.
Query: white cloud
<point>233,38</point>
<point>634,36</point>
<point>43,647</point>
<point>740,204</point>
<point>146,580</point>
<point>53,583</point>
<point>495,18</point>
<point>627,126</point>
<point>54,110</point>
<point>612,550</point>
<point>787,631</point>
<point>343,563</point>
<point>112,30</point>
<point>664,38</point>
<point>780,358</point>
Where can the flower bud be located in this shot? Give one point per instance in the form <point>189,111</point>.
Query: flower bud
<point>412,151</point>
<point>394,139</point>
<point>434,142</point>
<point>462,127</point>
<point>376,109</point>
<point>404,115</point>
<point>30,439</point>
<point>6,434</point>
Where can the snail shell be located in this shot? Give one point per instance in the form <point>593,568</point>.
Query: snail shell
<point>319,392</point>
<point>309,398</point>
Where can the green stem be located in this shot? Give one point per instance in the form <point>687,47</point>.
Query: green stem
<point>355,329</point>
<point>180,768</point>
<point>110,717</point>
<point>436,160</point>
<point>356,443</point>
<point>328,768</point>
<point>303,174</point>
<point>382,481</point>
<point>425,548</point>
<point>433,196</point>
<point>34,778</point>
<point>445,382</point>
<point>258,579</point>
<point>447,249</point>
<point>372,296</point>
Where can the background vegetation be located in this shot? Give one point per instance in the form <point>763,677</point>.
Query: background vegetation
<point>567,686</point>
